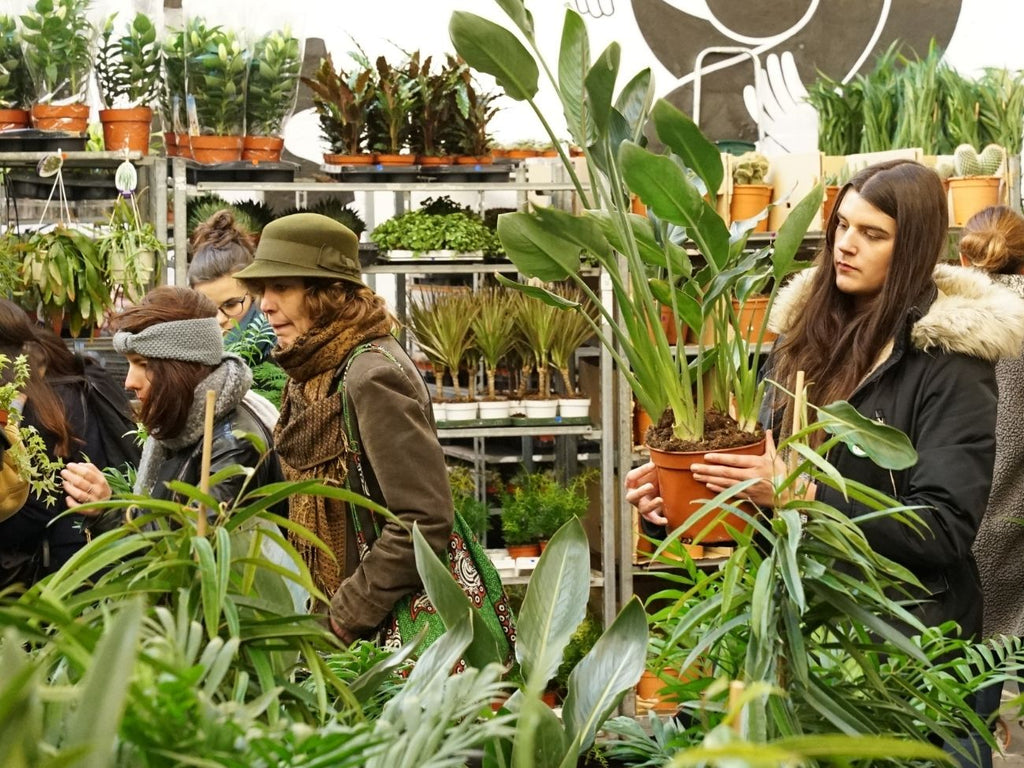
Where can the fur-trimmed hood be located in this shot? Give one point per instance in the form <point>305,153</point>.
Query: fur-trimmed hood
<point>972,314</point>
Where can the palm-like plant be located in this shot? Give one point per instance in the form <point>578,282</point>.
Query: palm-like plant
<point>493,328</point>
<point>572,329</point>
<point>539,325</point>
<point>443,329</point>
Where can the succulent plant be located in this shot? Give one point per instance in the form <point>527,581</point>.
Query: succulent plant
<point>750,168</point>
<point>969,162</point>
<point>945,169</point>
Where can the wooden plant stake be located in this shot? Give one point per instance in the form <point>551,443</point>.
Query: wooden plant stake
<point>204,475</point>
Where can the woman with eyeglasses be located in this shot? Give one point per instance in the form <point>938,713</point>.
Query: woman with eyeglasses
<point>220,248</point>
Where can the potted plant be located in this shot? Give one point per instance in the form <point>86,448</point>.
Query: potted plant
<point>521,514</point>
<point>172,94</point>
<point>559,502</point>
<point>471,137</point>
<point>388,123</point>
<point>58,43</point>
<point>538,325</point>
<point>15,84</point>
<point>216,66</point>
<point>439,229</point>
<point>270,92</point>
<point>474,511</point>
<point>341,100</point>
<point>647,263</point>
<point>975,183</point>
<point>443,328</point>
<point>493,326</point>
<point>572,329</point>
<point>435,106</point>
<point>128,69</point>
<point>750,195</point>
<point>130,250</point>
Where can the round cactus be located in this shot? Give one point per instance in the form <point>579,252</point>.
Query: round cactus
<point>750,168</point>
<point>968,162</point>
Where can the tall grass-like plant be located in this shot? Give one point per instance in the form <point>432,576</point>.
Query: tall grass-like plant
<point>840,119</point>
<point>493,328</point>
<point>962,109</point>
<point>919,122</point>
<point>880,91</point>
<point>1001,97</point>
<point>571,330</point>
<point>444,330</point>
<point>539,325</point>
<point>609,121</point>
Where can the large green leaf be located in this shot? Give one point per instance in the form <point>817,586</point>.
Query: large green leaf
<point>495,51</point>
<point>684,138</point>
<point>555,603</point>
<point>573,61</point>
<point>436,663</point>
<point>887,446</point>
<point>451,603</point>
<point>600,85</point>
<point>105,689</point>
<point>634,103</point>
<point>791,234</point>
<point>535,250</point>
<point>601,678</point>
<point>521,17</point>
<point>540,740</point>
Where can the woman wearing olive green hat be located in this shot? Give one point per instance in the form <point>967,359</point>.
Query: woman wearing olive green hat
<point>334,339</point>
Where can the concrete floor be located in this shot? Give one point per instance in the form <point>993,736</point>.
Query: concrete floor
<point>1014,755</point>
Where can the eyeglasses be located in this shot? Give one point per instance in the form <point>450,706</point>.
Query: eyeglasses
<point>233,307</point>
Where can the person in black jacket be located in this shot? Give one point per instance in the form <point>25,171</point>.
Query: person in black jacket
<point>38,539</point>
<point>907,343</point>
<point>175,355</point>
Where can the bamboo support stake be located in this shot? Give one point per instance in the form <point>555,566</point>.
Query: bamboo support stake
<point>736,688</point>
<point>798,413</point>
<point>204,475</point>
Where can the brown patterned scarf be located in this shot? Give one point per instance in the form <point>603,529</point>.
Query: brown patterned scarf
<point>310,436</point>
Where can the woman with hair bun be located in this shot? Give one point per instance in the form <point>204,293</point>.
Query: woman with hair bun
<point>219,249</point>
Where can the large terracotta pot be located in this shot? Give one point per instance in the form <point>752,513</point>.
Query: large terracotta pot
<point>751,317</point>
<point>748,200</point>
<point>216,149</point>
<point>971,194</point>
<point>13,119</point>
<point>126,129</point>
<point>73,118</point>
<point>681,494</point>
<point>265,149</point>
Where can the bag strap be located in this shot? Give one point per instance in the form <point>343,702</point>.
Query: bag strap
<point>353,439</point>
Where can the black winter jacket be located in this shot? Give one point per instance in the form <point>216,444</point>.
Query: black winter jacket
<point>938,386</point>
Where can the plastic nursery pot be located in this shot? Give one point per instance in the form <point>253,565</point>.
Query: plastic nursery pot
<point>13,119</point>
<point>216,149</point>
<point>748,200</point>
<point>66,117</point>
<point>751,318</point>
<point>523,550</point>
<point>971,194</point>
<point>262,149</point>
<point>126,129</point>
<point>683,495</point>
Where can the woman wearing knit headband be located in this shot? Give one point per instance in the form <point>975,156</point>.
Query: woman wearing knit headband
<point>175,355</point>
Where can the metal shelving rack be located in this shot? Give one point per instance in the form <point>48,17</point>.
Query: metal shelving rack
<point>605,577</point>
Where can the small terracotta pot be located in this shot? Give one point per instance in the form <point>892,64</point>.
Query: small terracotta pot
<point>170,143</point>
<point>13,119</point>
<point>73,118</point>
<point>523,550</point>
<point>748,200</point>
<point>831,191</point>
<point>474,159</point>
<point>366,158</point>
<point>184,145</point>
<point>216,149</point>
<point>126,129</point>
<point>402,158</point>
<point>433,160</point>
<point>971,194</point>
<point>265,149</point>
<point>681,493</point>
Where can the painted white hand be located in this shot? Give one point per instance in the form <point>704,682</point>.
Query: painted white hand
<point>789,123</point>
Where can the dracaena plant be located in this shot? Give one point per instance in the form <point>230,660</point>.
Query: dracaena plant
<point>647,259</point>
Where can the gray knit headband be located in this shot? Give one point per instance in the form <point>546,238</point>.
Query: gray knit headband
<point>194,341</point>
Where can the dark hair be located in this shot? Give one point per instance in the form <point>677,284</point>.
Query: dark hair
<point>48,356</point>
<point>172,382</point>
<point>836,344</point>
<point>993,240</point>
<point>218,247</point>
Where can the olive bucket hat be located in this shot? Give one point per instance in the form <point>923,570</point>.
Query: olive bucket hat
<point>305,245</point>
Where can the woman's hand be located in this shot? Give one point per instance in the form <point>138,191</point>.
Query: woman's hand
<point>642,492</point>
<point>723,470</point>
<point>84,483</point>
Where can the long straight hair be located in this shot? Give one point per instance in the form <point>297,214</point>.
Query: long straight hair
<point>833,342</point>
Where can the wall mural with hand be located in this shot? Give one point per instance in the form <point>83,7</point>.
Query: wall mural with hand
<point>794,40</point>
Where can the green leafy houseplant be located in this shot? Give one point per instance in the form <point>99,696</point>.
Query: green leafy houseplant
<point>436,98</point>
<point>655,265</point>
<point>15,84</point>
<point>128,63</point>
<point>58,44</point>
<point>130,250</point>
<point>424,230</point>
<point>493,326</point>
<point>474,511</point>
<point>560,502</point>
<point>216,65</point>
<point>341,100</point>
<point>389,121</point>
<point>273,82</point>
<point>521,508</point>
<point>31,457</point>
<point>476,109</point>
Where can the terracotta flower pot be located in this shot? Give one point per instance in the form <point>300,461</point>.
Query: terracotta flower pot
<point>748,200</point>
<point>523,550</point>
<point>474,159</point>
<point>751,316</point>
<point>831,191</point>
<point>73,118</point>
<point>433,160</point>
<point>184,145</point>
<point>126,129</point>
<point>266,149</point>
<point>403,158</point>
<point>971,194</point>
<point>12,119</point>
<point>216,149</point>
<point>170,143</point>
<point>681,493</point>
<point>365,158</point>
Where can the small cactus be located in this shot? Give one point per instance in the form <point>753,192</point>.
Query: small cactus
<point>944,169</point>
<point>968,162</point>
<point>750,168</point>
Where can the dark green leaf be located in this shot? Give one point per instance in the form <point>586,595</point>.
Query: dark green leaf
<point>495,51</point>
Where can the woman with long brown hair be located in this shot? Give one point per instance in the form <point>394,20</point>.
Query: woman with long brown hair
<point>57,405</point>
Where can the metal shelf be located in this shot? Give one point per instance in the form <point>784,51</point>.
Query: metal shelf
<point>586,431</point>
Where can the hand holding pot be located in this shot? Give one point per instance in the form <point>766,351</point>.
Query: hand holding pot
<point>642,492</point>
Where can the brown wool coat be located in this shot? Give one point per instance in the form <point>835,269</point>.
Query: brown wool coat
<point>404,469</point>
